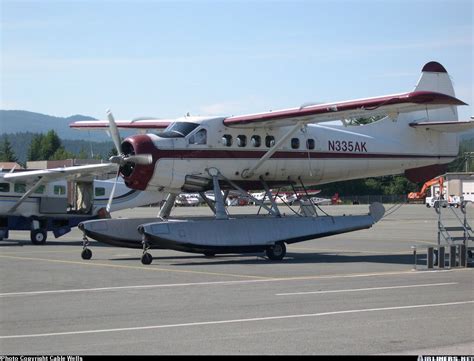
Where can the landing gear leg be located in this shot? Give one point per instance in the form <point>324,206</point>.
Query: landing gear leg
<point>147,258</point>
<point>86,252</point>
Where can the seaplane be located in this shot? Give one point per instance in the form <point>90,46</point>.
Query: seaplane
<point>416,136</point>
<point>59,199</point>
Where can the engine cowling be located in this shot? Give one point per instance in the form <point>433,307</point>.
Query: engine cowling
<point>137,176</point>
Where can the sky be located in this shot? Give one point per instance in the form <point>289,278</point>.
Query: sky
<point>165,59</point>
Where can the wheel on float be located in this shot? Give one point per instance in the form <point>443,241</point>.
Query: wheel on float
<point>147,258</point>
<point>86,253</point>
<point>276,252</point>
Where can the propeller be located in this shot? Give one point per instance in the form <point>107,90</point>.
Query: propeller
<point>114,133</point>
<point>111,198</point>
<point>122,159</point>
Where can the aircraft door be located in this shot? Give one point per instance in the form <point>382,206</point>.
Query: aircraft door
<point>84,195</point>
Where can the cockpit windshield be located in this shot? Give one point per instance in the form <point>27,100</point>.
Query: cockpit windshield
<point>178,130</point>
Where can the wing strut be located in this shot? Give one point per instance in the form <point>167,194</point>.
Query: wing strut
<point>165,210</point>
<point>26,195</point>
<point>247,173</point>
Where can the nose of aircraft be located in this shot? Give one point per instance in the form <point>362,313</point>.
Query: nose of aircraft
<point>137,174</point>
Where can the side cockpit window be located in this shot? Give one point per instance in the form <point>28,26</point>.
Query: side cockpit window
<point>200,137</point>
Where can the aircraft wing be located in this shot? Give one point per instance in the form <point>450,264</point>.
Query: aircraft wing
<point>140,124</point>
<point>389,104</point>
<point>69,173</point>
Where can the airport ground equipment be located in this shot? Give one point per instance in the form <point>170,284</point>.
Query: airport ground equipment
<point>454,242</point>
<point>419,197</point>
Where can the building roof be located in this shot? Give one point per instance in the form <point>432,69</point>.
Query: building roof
<point>10,165</point>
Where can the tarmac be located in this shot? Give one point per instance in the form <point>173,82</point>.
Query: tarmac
<point>355,293</point>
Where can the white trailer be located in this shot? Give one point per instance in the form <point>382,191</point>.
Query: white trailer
<point>457,187</point>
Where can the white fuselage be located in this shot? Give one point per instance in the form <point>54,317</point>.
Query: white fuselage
<point>316,154</point>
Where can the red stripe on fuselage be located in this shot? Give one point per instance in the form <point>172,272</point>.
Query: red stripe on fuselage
<point>236,154</point>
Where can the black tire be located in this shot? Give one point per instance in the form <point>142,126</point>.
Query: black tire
<point>147,258</point>
<point>38,236</point>
<point>209,254</point>
<point>276,252</point>
<point>86,253</point>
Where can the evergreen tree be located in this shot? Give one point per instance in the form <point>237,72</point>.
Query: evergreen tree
<point>61,153</point>
<point>6,151</point>
<point>50,144</point>
<point>34,151</point>
<point>47,147</point>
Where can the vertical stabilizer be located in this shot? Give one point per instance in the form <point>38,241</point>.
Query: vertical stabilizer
<point>434,77</point>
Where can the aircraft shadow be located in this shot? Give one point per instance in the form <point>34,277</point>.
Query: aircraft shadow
<point>302,258</point>
<point>158,258</point>
<point>53,242</point>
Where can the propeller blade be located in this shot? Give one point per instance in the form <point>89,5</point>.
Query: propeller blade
<point>109,203</point>
<point>114,131</point>
<point>144,159</point>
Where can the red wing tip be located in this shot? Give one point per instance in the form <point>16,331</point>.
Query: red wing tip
<point>434,67</point>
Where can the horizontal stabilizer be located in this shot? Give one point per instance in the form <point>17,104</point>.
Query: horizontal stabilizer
<point>445,127</point>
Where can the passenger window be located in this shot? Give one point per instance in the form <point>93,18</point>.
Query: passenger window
<point>20,188</point>
<point>241,140</point>
<point>4,187</point>
<point>99,191</point>
<point>200,137</point>
<point>310,144</point>
<point>269,141</point>
<point>256,141</point>
<point>39,190</point>
<point>295,143</point>
<point>227,140</point>
<point>59,190</point>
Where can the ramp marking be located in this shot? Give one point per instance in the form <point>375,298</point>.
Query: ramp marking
<point>222,322</point>
<point>366,289</point>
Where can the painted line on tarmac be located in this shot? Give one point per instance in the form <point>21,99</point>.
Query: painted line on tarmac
<point>145,268</point>
<point>213,283</point>
<point>367,289</point>
<point>235,321</point>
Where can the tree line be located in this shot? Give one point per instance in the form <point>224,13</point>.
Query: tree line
<point>42,147</point>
